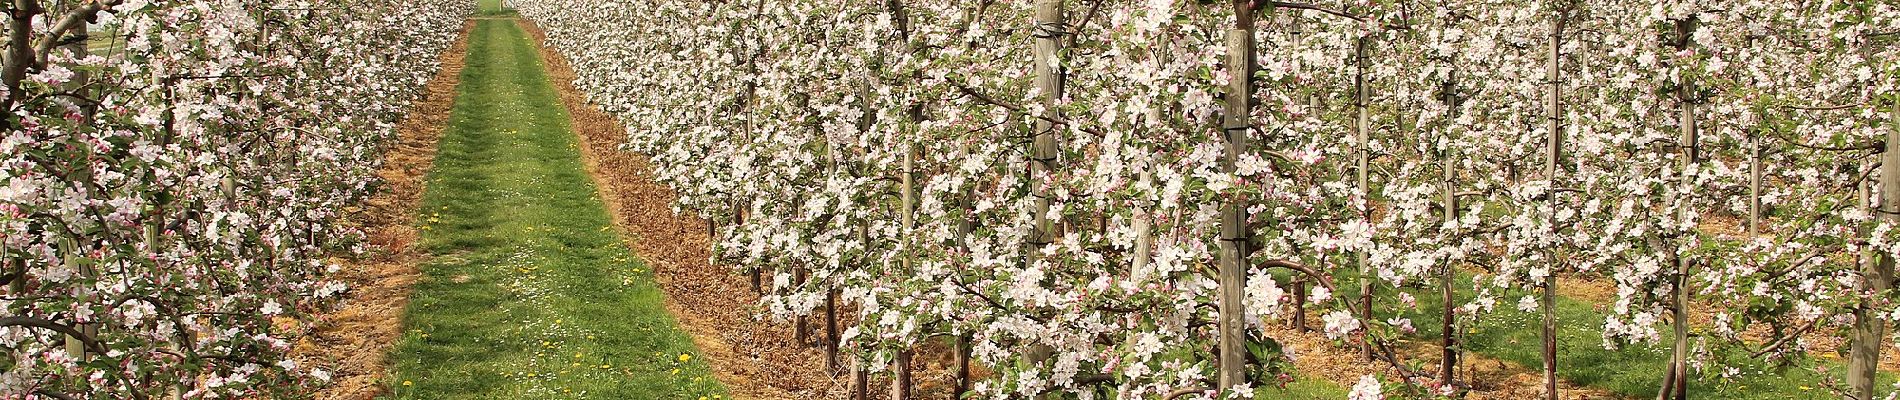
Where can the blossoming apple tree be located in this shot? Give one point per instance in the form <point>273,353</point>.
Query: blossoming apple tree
<point>176,178</point>
<point>1110,198</point>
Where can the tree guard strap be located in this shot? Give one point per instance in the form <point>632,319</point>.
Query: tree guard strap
<point>1050,30</point>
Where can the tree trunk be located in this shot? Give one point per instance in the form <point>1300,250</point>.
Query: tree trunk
<point>831,330</point>
<point>757,285</point>
<point>74,347</point>
<point>861,381</point>
<point>801,330</point>
<point>900,390</point>
<point>1552,159</point>
<point>964,229</point>
<point>1237,120</point>
<point>1687,126</point>
<point>963,366</point>
<point>1448,361</point>
<point>1299,303</point>
<point>1870,327</point>
<point>19,47</point>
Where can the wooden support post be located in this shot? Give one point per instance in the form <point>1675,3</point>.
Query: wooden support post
<point>1236,123</point>
<point>1361,128</point>
<point>1049,29</point>
<point>1553,153</point>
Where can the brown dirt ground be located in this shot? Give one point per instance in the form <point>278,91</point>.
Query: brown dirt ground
<point>756,358</point>
<point>353,340</point>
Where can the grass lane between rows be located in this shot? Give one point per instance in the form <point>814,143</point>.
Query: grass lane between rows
<point>529,293</point>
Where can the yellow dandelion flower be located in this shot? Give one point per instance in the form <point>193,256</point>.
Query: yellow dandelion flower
<point>685,357</point>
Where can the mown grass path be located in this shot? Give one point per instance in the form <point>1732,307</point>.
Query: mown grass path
<point>529,293</point>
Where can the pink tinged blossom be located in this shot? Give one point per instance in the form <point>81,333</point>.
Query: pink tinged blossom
<point>1368,388</point>
<point>1340,324</point>
<point>1402,324</point>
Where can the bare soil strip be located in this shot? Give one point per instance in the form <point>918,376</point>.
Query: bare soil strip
<point>755,357</point>
<point>353,340</point>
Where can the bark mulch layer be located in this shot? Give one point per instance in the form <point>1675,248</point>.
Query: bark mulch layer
<point>755,357</point>
<point>353,340</point>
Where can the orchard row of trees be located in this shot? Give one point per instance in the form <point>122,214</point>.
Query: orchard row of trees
<point>174,180</point>
<point>1105,198</point>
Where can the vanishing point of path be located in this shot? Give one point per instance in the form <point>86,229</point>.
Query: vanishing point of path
<point>528,291</point>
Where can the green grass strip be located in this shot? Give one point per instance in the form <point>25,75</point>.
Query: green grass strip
<point>529,293</point>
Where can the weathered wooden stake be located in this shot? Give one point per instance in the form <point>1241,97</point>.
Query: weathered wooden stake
<point>1553,153</point>
<point>1361,128</point>
<point>1049,29</point>
<point>1236,121</point>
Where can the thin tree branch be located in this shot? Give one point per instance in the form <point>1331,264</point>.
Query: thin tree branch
<point>1301,268</point>
<point>88,341</point>
<point>1784,339</point>
<point>1177,393</point>
<point>1303,6</point>
<point>76,19</point>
